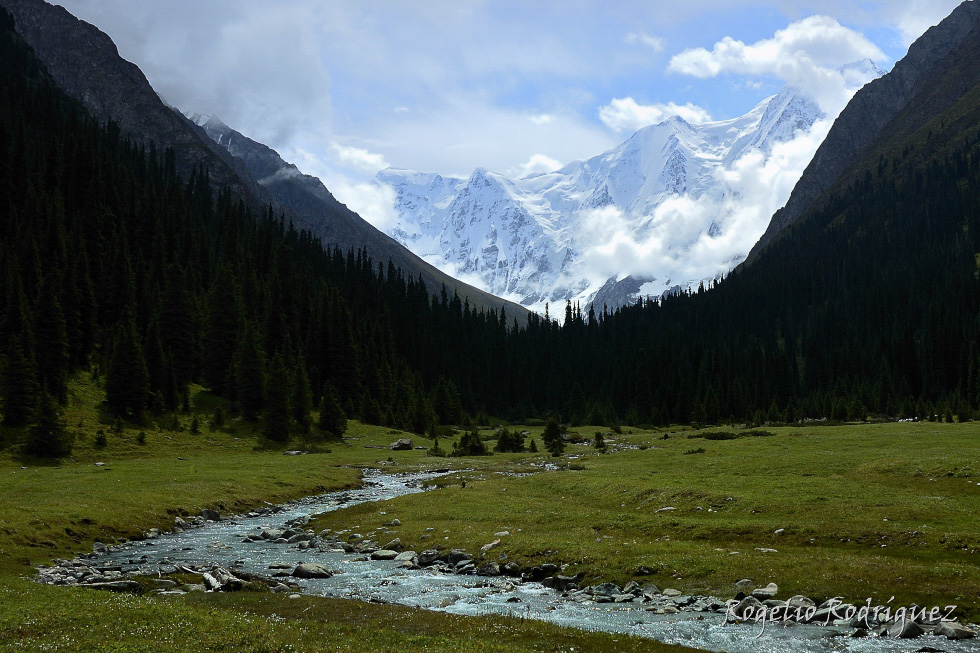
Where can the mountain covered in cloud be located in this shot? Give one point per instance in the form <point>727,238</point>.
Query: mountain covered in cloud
<point>675,204</point>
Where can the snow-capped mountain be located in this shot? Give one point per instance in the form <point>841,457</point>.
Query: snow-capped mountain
<point>553,237</point>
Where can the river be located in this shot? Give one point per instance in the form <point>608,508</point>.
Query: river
<point>359,578</point>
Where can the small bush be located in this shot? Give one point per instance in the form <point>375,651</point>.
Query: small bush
<point>100,439</point>
<point>141,438</point>
<point>698,450</point>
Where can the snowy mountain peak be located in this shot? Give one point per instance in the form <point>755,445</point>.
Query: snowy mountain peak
<point>585,227</point>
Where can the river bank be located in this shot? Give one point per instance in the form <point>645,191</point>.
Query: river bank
<point>270,546</point>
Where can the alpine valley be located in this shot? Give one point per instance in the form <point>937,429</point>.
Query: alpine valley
<point>672,186</point>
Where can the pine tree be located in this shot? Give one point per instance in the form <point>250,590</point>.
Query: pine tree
<point>275,414</point>
<point>332,417</point>
<point>127,384</point>
<point>302,399</point>
<point>48,436</point>
<point>19,386</point>
<point>250,374</point>
<point>51,342</point>
<point>553,441</point>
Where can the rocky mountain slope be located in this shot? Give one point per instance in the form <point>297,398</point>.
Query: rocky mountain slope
<point>862,125</point>
<point>86,64</point>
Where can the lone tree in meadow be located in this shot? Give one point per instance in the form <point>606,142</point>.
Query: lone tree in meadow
<point>552,438</point>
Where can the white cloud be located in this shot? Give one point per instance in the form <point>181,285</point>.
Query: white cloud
<point>372,201</point>
<point>673,242</point>
<point>359,158</point>
<point>541,118</point>
<point>538,164</point>
<point>805,54</point>
<point>626,114</point>
<point>815,41</point>
<point>917,16</point>
<point>653,42</point>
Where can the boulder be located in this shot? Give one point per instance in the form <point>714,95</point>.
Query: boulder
<point>210,515</point>
<point>767,592</point>
<point>428,557</point>
<point>747,605</point>
<point>394,545</point>
<point>650,591</point>
<point>800,601</point>
<point>672,593</point>
<point>384,554</point>
<point>488,569</point>
<point>905,629</point>
<point>456,555</point>
<point>954,630</point>
<point>130,586</point>
<point>407,556</point>
<point>402,444</point>
<point>606,589</point>
<point>311,570</point>
<point>512,569</point>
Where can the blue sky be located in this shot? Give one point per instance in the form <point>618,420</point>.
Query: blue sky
<point>345,87</point>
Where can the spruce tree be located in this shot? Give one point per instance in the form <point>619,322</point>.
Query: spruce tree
<point>332,417</point>
<point>250,374</point>
<point>48,436</point>
<point>275,414</point>
<point>552,438</point>
<point>51,342</point>
<point>302,399</point>
<point>19,385</point>
<point>127,384</point>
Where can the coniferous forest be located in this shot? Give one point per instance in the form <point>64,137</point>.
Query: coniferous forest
<point>113,263</point>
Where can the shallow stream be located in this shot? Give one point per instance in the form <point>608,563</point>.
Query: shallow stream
<point>358,578</point>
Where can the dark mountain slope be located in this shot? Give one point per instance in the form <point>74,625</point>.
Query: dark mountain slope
<point>866,121</point>
<point>313,207</point>
<point>86,64</point>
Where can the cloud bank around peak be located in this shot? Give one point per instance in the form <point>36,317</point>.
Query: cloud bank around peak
<point>627,115</point>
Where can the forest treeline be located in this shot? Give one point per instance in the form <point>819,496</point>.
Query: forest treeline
<point>112,262</point>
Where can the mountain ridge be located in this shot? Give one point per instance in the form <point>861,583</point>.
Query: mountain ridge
<point>533,239</point>
<point>86,64</point>
<point>867,115</point>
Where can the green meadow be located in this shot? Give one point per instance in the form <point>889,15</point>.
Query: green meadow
<point>860,511</point>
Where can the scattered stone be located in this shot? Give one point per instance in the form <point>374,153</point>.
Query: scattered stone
<point>384,554</point>
<point>487,548</point>
<point>488,569</point>
<point>407,556</point>
<point>128,586</point>
<point>671,593</point>
<point>800,601</point>
<point>744,585</point>
<point>767,592</point>
<point>651,591</point>
<point>210,515</point>
<point>905,629</point>
<point>394,545</point>
<point>954,630</point>
<point>428,557</point>
<point>396,522</point>
<point>501,534</point>
<point>311,570</point>
<point>402,444</point>
<point>747,605</point>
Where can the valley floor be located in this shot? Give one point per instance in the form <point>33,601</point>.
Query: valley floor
<point>860,511</point>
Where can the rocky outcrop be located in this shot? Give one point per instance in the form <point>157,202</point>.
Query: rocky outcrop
<point>870,113</point>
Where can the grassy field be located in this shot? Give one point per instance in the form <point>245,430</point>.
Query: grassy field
<point>51,511</point>
<point>863,511</point>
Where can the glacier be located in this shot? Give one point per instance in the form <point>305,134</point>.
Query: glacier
<point>642,219</point>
